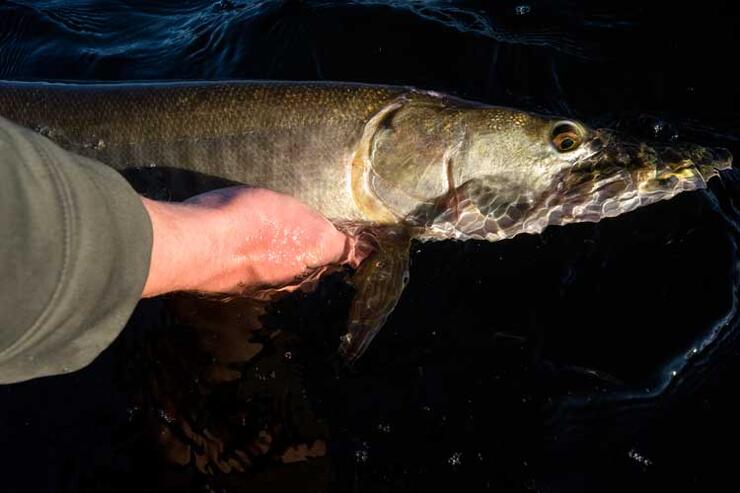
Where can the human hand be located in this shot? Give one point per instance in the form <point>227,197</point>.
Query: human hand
<point>239,240</point>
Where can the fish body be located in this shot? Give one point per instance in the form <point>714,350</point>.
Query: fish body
<point>292,138</point>
<point>397,162</point>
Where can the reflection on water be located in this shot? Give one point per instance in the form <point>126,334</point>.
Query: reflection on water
<point>546,362</point>
<point>144,38</point>
<point>204,410</point>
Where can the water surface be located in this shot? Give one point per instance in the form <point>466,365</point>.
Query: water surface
<point>593,357</point>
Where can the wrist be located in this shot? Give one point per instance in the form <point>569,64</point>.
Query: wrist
<point>179,246</point>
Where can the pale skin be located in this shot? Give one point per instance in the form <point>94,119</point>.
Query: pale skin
<point>239,240</point>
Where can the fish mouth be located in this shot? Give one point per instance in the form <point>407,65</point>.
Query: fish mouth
<point>689,162</point>
<point>613,177</point>
<point>620,177</point>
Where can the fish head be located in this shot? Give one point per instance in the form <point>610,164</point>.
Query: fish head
<point>517,173</point>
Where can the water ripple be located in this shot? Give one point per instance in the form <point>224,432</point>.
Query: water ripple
<point>206,39</point>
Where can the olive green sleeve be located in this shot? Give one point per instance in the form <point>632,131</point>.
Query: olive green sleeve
<point>75,245</point>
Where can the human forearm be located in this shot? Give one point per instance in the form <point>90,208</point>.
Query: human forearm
<point>179,247</point>
<point>238,240</point>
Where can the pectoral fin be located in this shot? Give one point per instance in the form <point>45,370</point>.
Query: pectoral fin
<point>379,282</point>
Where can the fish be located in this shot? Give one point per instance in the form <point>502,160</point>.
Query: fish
<point>390,164</point>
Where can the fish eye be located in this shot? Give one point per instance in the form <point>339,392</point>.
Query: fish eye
<point>566,136</point>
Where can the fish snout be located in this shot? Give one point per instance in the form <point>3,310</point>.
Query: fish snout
<point>655,169</point>
<point>692,159</point>
<point>716,159</point>
<point>675,160</point>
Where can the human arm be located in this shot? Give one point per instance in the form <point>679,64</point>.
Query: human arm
<point>239,240</point>
<point>75,241</point>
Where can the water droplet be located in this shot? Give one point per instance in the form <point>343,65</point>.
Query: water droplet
<point>455,459</point>
<point>288,355</point>
<point>384,427</point>
<point>167,417</point>
<point>131,412</point>
<point>658,128</point>
<point>45,131</point>
<point>362,454</point>
<point>639,458</point>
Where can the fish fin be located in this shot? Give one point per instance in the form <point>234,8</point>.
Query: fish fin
<point>379,282</point>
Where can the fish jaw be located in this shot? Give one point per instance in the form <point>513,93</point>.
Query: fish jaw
<point>625,176</point>
<point>614,177</point>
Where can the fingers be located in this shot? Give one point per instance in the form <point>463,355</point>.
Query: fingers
<point>340,247</point>
<point>356,250</point>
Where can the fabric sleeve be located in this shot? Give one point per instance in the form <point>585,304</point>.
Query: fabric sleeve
<point>75,246</point>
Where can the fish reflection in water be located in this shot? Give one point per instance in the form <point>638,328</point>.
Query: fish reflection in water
<point>218,391</point>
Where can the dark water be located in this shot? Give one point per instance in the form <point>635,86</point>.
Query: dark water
<point>590,358</point>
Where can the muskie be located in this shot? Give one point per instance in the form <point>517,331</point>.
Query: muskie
<point>396,162</point>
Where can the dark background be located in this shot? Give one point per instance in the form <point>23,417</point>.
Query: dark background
<point>541,363</point>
